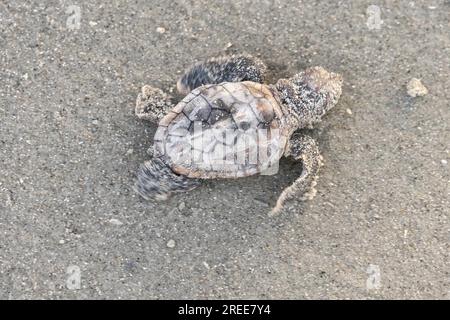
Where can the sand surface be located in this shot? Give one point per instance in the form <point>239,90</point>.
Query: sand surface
<point>70,145</point>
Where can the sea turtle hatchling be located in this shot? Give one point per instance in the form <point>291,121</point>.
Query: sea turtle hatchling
<point>230,124</point>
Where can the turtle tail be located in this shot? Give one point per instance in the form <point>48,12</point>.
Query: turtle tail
<point>156,181</point>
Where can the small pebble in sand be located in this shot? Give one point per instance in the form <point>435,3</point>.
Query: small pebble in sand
<point>416,88</point>
<point>349,111</point>
<point>171,243</point>
<point>160,30</point>
<point>444,162</point>
<point>115,222</point>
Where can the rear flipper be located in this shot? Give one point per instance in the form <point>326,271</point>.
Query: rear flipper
<point>234,68</point>
<point>156,181</point>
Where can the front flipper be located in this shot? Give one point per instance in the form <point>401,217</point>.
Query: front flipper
<point>152,104</point>
<point>156,181</point>
<point>304,148</point>
<point>234,68</point>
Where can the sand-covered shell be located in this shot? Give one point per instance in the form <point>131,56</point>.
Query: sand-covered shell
<point>227,130</point>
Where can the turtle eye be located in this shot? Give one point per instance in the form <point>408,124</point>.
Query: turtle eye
<point>244,125</point>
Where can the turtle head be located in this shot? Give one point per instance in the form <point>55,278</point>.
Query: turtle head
<point>310,94</point>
